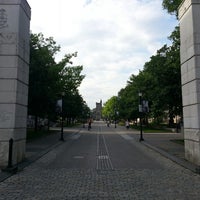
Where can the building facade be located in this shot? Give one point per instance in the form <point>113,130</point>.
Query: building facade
<point>98,111</point>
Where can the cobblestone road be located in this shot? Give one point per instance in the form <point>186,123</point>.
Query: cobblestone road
<point>40,181</point>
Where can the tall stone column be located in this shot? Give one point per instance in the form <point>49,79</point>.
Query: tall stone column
<point>14,70</point>
<point>189,17</point>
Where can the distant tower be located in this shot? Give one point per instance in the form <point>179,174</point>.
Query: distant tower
<point>98,110</point>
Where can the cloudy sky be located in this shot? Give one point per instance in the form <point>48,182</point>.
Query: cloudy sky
<point>113,38</point>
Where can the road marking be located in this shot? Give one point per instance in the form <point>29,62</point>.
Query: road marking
<point>103,157</point>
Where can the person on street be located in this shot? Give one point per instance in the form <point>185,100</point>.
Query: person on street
<point>108,123</point>
<point>89,124</point>
<point>127,124</point>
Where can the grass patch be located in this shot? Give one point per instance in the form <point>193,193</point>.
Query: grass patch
<point>156,130</point>
<point>152,129</point>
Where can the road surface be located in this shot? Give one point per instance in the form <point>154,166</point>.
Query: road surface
<point>103,163</point>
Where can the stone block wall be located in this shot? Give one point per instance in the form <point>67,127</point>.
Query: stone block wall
<point>14,73</point>
<point>189,17</point>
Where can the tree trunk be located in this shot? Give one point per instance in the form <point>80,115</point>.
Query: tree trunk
<point>48,124</point>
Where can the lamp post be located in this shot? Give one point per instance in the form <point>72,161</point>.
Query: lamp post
<point>115,118</point>
<point>140,110</point>
<point>62,116</point>
<point>116,111</point>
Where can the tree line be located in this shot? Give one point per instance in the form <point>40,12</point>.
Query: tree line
<point>159,82</point>
<point>50,81</point>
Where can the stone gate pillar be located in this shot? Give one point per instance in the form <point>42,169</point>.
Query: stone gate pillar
<point>14,70</point>
<point>189,17</point>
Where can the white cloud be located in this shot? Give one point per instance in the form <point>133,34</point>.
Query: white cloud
<point>114,38</point>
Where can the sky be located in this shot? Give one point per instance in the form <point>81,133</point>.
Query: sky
<point>113,38</point>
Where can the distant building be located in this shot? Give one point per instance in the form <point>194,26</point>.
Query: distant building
<point>98,111</point>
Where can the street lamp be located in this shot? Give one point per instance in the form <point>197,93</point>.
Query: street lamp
<point>62,116</point>
<point>115,119</point>
<point>140,110</point>
<point>115,111</point>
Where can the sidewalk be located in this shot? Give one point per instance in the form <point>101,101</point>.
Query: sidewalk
<point>36,148</point>
<point>169,145</point>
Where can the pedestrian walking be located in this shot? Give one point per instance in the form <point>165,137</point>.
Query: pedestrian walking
<point>89,124</point>
<point>127,124</point>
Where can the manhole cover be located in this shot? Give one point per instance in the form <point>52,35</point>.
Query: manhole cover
<point>78,157</point>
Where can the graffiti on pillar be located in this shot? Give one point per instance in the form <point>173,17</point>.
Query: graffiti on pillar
<point>8,38</point>
<point>3,18</point>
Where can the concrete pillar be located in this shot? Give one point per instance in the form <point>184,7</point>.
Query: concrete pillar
<point>189,17</point>
<point>14,70</point>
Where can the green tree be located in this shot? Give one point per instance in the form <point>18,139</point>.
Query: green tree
<point>159,82</point>
<point>70,76</point>
<point>70,79</point>
<point>42,75</point>
<point>73,107</point>
<point>49,80</point>
<point>171,6</point>
<point>110,108</point>
<point>128,99</point>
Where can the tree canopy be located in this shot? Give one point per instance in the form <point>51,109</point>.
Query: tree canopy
<point>159,82</point>
<point>49,80</point>
<point>171,6</point>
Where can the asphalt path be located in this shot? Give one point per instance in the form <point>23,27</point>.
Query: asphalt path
<point>103,148</point>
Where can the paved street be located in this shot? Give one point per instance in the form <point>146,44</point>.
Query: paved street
<point>103,163</point>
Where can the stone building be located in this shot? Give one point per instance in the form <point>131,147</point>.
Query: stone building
<point>98,111</point>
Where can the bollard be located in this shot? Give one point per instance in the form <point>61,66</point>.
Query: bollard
<point>10,153</point>
<point>10,168</point>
